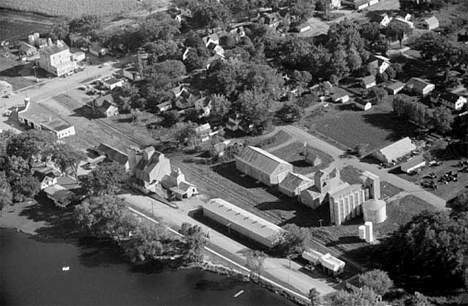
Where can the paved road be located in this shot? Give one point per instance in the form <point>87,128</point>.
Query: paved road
<point>276,267</point>
<point>408,187</point>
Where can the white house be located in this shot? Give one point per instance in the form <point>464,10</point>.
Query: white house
<point>368,81</point>
<point>413,163</point>
<point>452,100</point>
<point>419,86</point>
<point>363,104</point>
<point>395,87</point>
<point>379,63</point>
<point>431,23</point>
<point>382,19</point>
<point>97,50</point>
<point>79,56</point>
<point>111,83</point>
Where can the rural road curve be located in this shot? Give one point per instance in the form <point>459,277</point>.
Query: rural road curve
<point>300,135</point>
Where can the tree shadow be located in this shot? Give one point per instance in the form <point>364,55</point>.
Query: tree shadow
<point>389,121</point>
<point>345,240</point>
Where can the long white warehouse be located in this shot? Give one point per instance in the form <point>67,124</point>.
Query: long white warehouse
<point>243,222</point>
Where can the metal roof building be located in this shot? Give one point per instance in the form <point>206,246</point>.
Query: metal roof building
<point>395,150</point>
<point>243,222</point>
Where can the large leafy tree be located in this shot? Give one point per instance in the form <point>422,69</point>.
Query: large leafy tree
<point>397,31</point>
<point>442,119</point>
<point>210,13</point>
<point>433,248</point>
<point>293,240</point>
<point>107,178</point>
<point>254,262</point>
<point>106,216</point>
<point>29,145</point>
<point>66,158</point>
<point>85,24</point>
<point>6,196</point>
<point>377,280</point>
<point>25,188</point>
<point>195,241</point>
<point>253,106</point>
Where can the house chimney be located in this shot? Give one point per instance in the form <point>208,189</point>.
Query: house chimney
<point>26,101</point>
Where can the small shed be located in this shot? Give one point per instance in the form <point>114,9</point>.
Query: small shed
<point>340,96</point>
<point>413,163</point>
<point>395,87</point>
<point>431,23</point>
<point>363,104</point>
<point>368,81</point>
<point>311,157</point>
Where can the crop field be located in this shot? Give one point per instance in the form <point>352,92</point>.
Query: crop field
<point>71,8</point>
<point>376,127</point>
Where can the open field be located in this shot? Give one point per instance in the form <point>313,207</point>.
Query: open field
<point>10,71</point>
<point>18,25</point>
<point>294,154</point>
<point>70,8</point>
<point>350,126</point>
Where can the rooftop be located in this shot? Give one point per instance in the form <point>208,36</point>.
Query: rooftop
<point>261,159</point>
<point>39,113</point>
<point>55,48</point>
<point>243,218</point>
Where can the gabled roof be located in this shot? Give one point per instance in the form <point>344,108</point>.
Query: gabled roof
<point>54,48</point>
<point>112,81</point>
<point>417,83</point>
<point>37,113</point>
<point>293,181</point>
<point>398,149</point>
<point>396,85</point>
<point>339,93</point>
<point>261,159</point>
<point>412,162</point>
<point>450,97</point>
<point>203,129</point>
<point>368,79</point>
<point>378,17</point>
<point>432,21</point>
<point>96,47</point>
<point>112,153</point>
<point>43,173</point>
<point>27,47</point>
<point>361,101</point>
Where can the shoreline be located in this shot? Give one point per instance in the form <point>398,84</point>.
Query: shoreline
<point>13,219</point>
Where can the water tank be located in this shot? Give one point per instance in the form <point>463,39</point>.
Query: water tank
<point>362,232</point>
<point>31,40</point>
<point>375,211</point>
<point>369,232</point>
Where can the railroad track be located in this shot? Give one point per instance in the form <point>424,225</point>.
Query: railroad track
<point>315,243</point>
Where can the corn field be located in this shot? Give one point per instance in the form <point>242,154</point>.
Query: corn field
<point>71,8</point>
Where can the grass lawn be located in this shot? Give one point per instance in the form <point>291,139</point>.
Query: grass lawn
<point>10,72</point>
<point>294,154</point>
<point>349,126</point>
<point>270,142</point>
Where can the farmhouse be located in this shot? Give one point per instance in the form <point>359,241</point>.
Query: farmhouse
<point>113,154</point>
<point>243,222</point>
<point>379,63</point>
<point>340,96</point>
<point>394,151</point>
<point>362,104</point>
<point>413,163</point>
<point>262,166</point>
<point>38,117</point>
<point>395,87</point>
<point>382,19</point>
<point>130,73</point>
<point>293,184</point>
<point>203,132</point>
<point>403,21</point>
<point>147,167</point>
<point>165,106</point>
<point>452,100</point>
<point>431,23</point>
<point>419,86</point>
<point>310,156</point>
<point>368,81</point>
<point>235,123</point>
<point>27,50</point>
<point>360,4</point>
<point>46,177</point>
<point>60,195</point>
<point>56,58</point>
<point>203,106</point>
<point>79,56</point>
<point>5,88</point>
<point>105,106</point>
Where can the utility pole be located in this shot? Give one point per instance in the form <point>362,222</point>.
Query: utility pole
<point>152,207</point>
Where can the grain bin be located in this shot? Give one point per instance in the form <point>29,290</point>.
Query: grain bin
<point>31,40</point>
<point>369,232</point>
<point>375,211</point>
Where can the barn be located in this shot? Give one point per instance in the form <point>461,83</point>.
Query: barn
<point>262,166</point>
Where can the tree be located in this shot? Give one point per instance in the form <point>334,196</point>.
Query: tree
<point>159,26</point>
<point>6,196</point>
<point>60,30</point>
<point>26,187</point>
<point>397,31</point>
<point>302,9</point>
<point>314,297</point>
<point>220,106</point>
<point>370,32</point>
<point>170,118</point>
<point>460,204</point>
<point>85,24</point>
<point>107,179</point>
<point>377,280</point>
<point>16,168</point>
<point>377,95</point>
<point>183,133</point>
<point>289,113</point>
<point>67,158</point>
<point>29,145</point>
<point>162,50</point>
<point>150,243</point>
<point>195,240</point>
<point>433,247</point>
<point>165,74</point>
<point>364,296</point>
<point>106,216</point>
<point>253,107</point>
<point>210,13</point>
<point>293,240</point>
<point>442,119</point>
<point>254,262</point>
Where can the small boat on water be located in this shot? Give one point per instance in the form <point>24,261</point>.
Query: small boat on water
<point>65,268</point>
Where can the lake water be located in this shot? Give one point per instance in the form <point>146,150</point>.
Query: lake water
<point>31,274</point>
